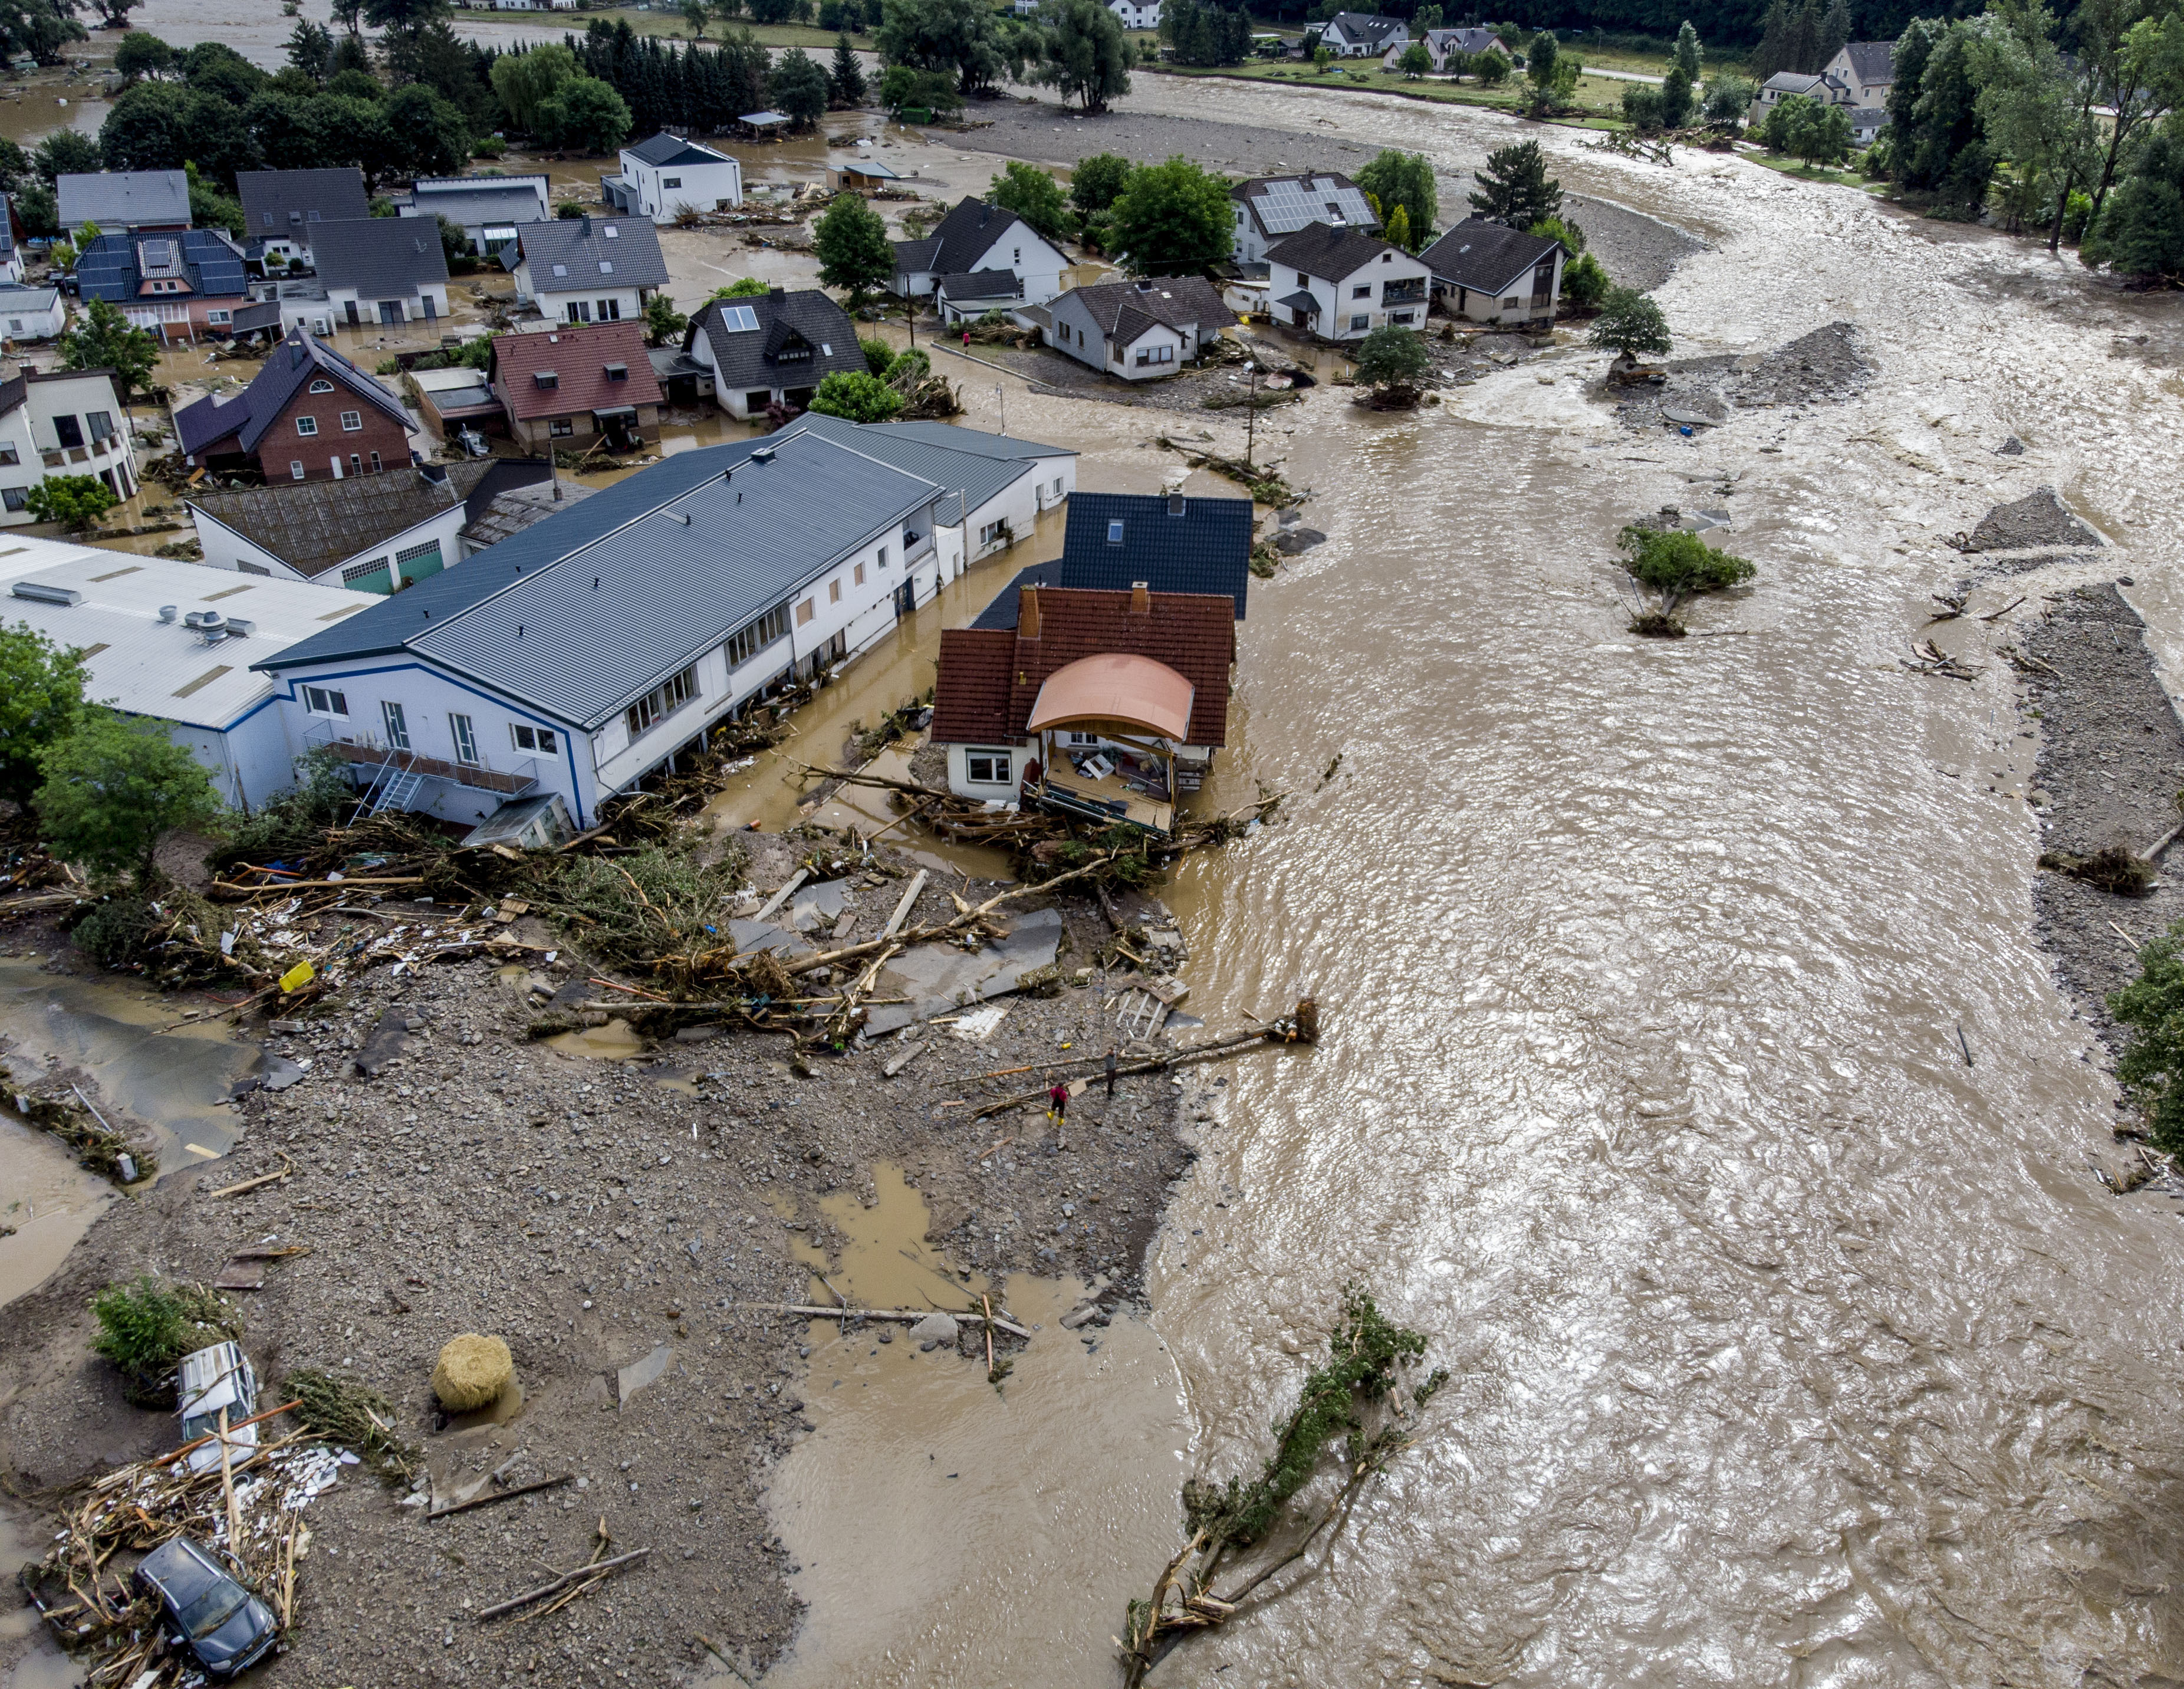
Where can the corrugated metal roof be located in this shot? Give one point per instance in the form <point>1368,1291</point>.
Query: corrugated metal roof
<point>976,474</point>
<point>118,200</point>
<point>581,638</point>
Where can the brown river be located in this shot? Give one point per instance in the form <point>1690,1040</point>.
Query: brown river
<point>1790,1346</point>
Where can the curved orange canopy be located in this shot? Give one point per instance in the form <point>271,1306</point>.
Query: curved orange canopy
<point>1134,691</point>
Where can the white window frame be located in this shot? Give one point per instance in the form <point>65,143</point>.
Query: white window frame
<point>538,741</point>
<point>463,732</point>
<point>352,421</point>
<point>328,702</point>
<point>308,426</point>
<point>999,767</point>
<point>396,723</point>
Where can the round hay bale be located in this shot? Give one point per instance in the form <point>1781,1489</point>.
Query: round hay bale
<point>471,1372</point>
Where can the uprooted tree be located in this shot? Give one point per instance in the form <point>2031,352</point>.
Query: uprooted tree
<point>1671,565</point>
<point>1358,1395</point>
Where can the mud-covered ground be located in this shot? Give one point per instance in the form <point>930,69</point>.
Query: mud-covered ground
<point>2111,765</point>
<point>591,1211</point>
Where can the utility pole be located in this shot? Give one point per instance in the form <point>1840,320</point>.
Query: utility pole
<point>1251,411</point>
<point>1002,394</point>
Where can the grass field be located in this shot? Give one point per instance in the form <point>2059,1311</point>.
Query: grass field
<point>1791,167</point>
<point>1600,96</point>
<point>666,23</point>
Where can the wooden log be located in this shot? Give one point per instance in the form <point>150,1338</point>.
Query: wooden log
<point>903,907</point>
<point>783,896</point>
<point>907,1316</point>
<point>303,885</point>
<point>597,1567</point>
<point>486,1501</point>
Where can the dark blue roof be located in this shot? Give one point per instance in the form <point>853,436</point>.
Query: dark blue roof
<point>1205,546</point>
<point>107,269</point>
<point>1000,616</point>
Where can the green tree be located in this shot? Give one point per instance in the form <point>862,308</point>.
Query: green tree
<point>961,38</point>
<point>1727,99</point>
<point>1676,101</point>
<point>662,322</point>
<point>210,209</point>
<point>1204,32</point>
<point>309,47</point>
<point>1821,134</point>
<point>1540,67</point>
<point>904,89</point>
<point>1515,188</point>
<point>1426,18</point>
<point>143,54</point>
<point>525,81</point>
<point>1416,61</point>
<point>1407,180</point>
<point>1584,282</point>
<point>1630,324</point>
<point>2036,107</point>
<point>1560,229</point>
<point>879,355</point>
<point>41,702</point>
<point>1397,228</point>
<point>1085,55</point>
<point>846,81</point>
<point>113,788</point>
<point>14,167</point>
<point>403,15</point>
<point>2152,1066</point>
<point>1642,107</point>
<point>585,115</point>
<point>1392,361</point>
<point>39,28</point>
<point>1689,54</point>
<point>74,501</point>
<point>1173,220</point>
<point>1322,57</point>
<point>850,239</point>
<point>1034,196</point>
<point>1098,181</point>
<point>433,136</point>
<point>1676,565</point>
<point>67,151</point>
<point>856,397</point>
<point>102,338</point>
<point>799,87</point>
<point>1782,120</point>
<point>213,67</point>
<point>751,287</point>
<point>352,84</point>
<point>1938,144</point>
<point>1491,68</point>
<point>2140,231</point>
<point>695,15</point>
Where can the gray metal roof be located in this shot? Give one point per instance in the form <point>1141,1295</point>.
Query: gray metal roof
<point>124,199</point>
<point>383,258</point>
<point>972,469</point>
<point>581,637</point>
<point>289,205</point>
<point>474,200</point>
<point>1330,255</point>
<point>570,254</point>
<point>983,284</point>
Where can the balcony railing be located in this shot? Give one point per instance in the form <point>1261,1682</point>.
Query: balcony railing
<point>104,446</point>
<point>1411,292</point>
<point>366,752</point>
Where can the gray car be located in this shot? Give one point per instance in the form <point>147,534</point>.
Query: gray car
<point>224,1626</point>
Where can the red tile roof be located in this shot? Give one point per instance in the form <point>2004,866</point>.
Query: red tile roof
<point>577,357</point>
<point>989,679</point>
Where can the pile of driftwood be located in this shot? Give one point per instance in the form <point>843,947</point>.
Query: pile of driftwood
<point>247,1511</point>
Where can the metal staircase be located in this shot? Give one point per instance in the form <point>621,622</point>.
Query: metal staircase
<point>391,789</point>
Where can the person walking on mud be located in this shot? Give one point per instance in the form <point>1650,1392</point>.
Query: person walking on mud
<point>1111,1070</point>
<point>1057,1099</point>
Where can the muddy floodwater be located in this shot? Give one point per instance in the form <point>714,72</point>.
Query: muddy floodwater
<point>1790,1347</point>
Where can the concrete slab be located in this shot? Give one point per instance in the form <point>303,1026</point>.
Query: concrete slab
<point>937,977</point>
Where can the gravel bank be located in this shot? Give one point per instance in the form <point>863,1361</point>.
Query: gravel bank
<point>2111,761</point>
<point>1828,366</point>
<point>594,1214</point>
<point>1637,250</point>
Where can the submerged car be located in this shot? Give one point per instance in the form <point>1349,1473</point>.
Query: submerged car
<point>204,1611</point>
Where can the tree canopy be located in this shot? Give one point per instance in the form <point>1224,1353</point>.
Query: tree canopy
<point>1084,54</point>
<point>1675,564</point>
<point>1098,180</point>
<point>1515,187</point>
<point>854,251</point>
<point>1393,361</point>
<point>102,338</point>
<point>73,501</point>
<point>1205,32</point>
<point>856,397</point>
<point>41,702</point>
<point>113,788</point>
<point>1033,195</point>
<point>1631,324</point>
<point>1404,181</point>
<point>1173,220</point>
<point>845,81</point>
<point>800,88</point>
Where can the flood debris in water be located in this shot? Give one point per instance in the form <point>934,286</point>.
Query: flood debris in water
<point>1358,1395</point>
<point>61,1109</point>
<point>2113,868</point>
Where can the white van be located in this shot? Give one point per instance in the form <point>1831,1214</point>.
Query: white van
<point>214,1379</point>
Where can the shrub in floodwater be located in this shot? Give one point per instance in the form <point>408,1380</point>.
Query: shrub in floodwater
<point>2152,1068</point>
<point>1673,564</point>
<point>1652,624</point>
<point>144,1328</point>
<point>113,931</point>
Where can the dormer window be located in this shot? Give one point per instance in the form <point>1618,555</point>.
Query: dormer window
<point>617,372</point>
<point>322,385</point>
<point>547,378</point>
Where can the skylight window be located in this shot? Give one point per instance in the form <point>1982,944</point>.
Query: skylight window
<point>1114,534</point>
<point>610,232</point>
<point>560,269</point>
<point>606,267</point>
<point>738,319</point>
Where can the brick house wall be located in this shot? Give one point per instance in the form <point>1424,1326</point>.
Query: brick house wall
<point>284,444</point>
<point>536,433</point>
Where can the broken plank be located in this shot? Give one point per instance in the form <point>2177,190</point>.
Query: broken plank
<point>907,1316</point>
<point>903,908</point>
<point>597,1567</point>
<point>780,897</point>
<point>498,1496</point>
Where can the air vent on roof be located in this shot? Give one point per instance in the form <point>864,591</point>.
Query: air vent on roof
<point>240,628</point>
<point>1175,504</point>
<point>167,613</point>
<point>38,591</point>
<point>762,455</point>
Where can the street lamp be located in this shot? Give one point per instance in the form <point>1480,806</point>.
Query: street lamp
<point>1251,411</point>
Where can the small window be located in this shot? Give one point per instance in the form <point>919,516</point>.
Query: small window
<point>560,269</point>
<point>313,215</point>
<point>834,590</point>
<point>307,425</point>
<point>466,739</point>
<point>560,427</point>
<point>546,378</point>
<point>670,181</point>
<point>324,700</point>
<point>606,267</point>
<point>15,498</point>
<point>1363,292</point>
<point>220,319</point>
<point>617,372</point>
<point>1360,323</point>
<point>375,463</point>
<point>883,555</point>
<point>9,454</point>
<point>359,572</point>
<point>355,464</point>
<point>397,723</point>
<point>988,767</point>
<point>540,739</point>
<point>295,469</point>
<point>351,420</point>
<point>611,231</point>
<point>806,611</point>
<point>68,431</point>
<point>322,385</point>
<point>1114,534</point>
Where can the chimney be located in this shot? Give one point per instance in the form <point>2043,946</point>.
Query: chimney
<point>1141,600</point>
<point>1175,504</point>
<point>1028,614</point>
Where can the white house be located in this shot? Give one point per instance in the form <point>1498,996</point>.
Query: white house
<point>977,237</point>
<point>1267,208</point>
<point>1782,84</point>
<point>1442,45</point>
<point>589,649</point>
<point>488,208</point>
<point>1866,70</point>
<point>174,642</point>
<point>667,175</point>
<point>1364,35</point>
<point>997,487</point>
<point>372,534</point>
<point>1485,271</point>
<point>377,269</point>
<point>61,422</point>
<point>1137,15</point>
<point>1138,331</point>
<point>589,269</point>
<point>31,313</point>
<point>1341,286</point>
